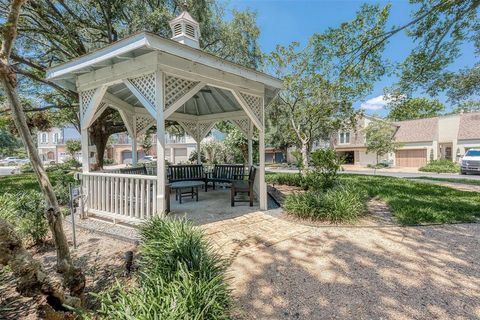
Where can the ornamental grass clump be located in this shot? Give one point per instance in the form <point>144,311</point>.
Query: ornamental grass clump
<point>342,203</point>
<point>180,277</point>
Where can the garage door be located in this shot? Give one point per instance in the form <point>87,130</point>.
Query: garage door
<point>411,158</point>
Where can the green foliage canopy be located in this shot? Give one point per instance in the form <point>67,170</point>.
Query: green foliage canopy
<point>415,108</point>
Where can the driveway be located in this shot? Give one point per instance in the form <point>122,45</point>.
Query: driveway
<point>285,270</point>
<point>397,174</point>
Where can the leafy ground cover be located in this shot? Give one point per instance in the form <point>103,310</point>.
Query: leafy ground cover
<point>413,202</point>
<point>453,180</point>
<point>441,166</point>
<point>180,277</point>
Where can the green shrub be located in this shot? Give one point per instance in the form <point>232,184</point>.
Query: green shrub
<point>379,165</point>
<point>289,179</point>
<point>325,163</point>
<point>180,277</point>
<point>61,188</point>
<point>343,203</point>
<point>25,211</point>
<point>26,168</point>
<point>441,166</point>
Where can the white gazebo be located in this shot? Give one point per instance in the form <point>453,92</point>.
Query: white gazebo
<point>149,79</point>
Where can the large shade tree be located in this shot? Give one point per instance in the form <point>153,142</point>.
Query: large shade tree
<point>74,278</point>
<point>415,108</point>
<point>323,80</point>
<point>52,32</point>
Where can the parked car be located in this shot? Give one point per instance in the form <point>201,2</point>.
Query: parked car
<point>11,161</point>
<point>147,159</point>
<point>471,162</point>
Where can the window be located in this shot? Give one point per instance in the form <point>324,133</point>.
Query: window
<point>44,138</point>
<point>344,137</point>
<point>55,138</point>
<point>473,153</point>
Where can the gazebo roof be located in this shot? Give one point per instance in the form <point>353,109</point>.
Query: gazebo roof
<point>144,43</point>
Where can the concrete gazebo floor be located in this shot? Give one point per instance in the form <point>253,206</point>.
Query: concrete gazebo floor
<point>212,206</point>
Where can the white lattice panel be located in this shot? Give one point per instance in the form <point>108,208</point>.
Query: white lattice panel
<point>255,103</point>
<point>197,130</point>
<point>243,125</point>
<point>146,86</point>
<point>86,98</point>
<point>143,122</point>
<point>204,128</point>
<point>190,127</point>
<point>175,88</point>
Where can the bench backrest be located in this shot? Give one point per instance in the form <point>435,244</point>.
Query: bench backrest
<point>134,170</point>
<point>185,172</point>
<point>228,171</point>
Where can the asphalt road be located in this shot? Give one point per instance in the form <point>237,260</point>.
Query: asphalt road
<point>399,174</point>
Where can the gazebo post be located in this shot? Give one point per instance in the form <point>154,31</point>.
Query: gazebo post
<point>134,142</point>
<point>261,176</point>
<point>250,144</point>
<point>85,151</point>
<point>199,158</point>
<point>159,105</point>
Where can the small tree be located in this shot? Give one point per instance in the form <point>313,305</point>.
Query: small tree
<point>326,164</point>
<point>380,138</point>
<point>72,147</point>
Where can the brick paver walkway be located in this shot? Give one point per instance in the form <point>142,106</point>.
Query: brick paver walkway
<point>250,232</point>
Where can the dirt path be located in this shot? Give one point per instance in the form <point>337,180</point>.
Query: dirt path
<point>284,270</point>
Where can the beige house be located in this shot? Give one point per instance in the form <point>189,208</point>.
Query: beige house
<point>422,140</point>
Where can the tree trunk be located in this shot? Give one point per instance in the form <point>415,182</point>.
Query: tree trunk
<point>99,138</point>
<point>54,216</point>
<point>305,155</point>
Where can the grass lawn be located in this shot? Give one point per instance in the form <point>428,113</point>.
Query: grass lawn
<point>419,203</point>
<point>23,182</point>
<point>463,181</point>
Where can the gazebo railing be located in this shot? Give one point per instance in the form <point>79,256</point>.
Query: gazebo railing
<point>127,197</point>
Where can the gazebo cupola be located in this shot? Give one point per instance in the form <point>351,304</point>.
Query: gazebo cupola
<point>185,29</point>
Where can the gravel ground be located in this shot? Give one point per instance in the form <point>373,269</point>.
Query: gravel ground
<point>391,272</point>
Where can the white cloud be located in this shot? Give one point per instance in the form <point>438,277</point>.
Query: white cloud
<point>376,103</point>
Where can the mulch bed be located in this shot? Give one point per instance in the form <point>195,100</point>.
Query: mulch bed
<point>379,213</point>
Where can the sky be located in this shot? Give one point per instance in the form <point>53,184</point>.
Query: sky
<point>284,21</point>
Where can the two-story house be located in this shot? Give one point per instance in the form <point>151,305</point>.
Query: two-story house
<point>51,144</point>
<point>421,140</point>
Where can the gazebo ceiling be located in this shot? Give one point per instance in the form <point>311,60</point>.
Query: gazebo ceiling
<point>209,100</point>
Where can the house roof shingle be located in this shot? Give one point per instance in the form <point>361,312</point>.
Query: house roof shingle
<point>417,130</point>
<point>469,126</point>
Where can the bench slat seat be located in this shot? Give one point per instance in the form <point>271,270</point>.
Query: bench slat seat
<point>185,172</point>
<point>225,173</point>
